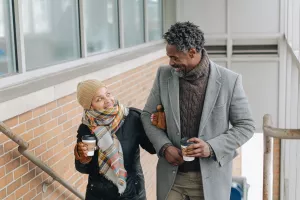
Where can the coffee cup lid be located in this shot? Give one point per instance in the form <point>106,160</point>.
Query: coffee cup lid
<point>88,137</point>
<point>184,142</point>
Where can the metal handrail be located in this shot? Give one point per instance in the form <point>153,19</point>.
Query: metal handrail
<point>269,134</point>
<point>23,146</point>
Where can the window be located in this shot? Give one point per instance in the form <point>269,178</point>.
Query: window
<point>101,25</point>
<point>133,18</point>
<point>51,32</point>
<point>7,64</point>
<point>154,19</point>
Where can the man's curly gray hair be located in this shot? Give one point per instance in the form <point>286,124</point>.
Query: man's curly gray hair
<point>185,35</point>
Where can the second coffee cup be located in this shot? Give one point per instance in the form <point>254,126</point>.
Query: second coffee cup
<point>184,144</point>
<point>90,140</point>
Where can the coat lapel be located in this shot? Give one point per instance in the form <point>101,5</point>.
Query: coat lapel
<point>212,92</point>
<point>173,87</point>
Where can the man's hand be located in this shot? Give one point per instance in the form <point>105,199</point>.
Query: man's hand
<point>173,155</point>
<point>82,149</point>
<point>199,149</point>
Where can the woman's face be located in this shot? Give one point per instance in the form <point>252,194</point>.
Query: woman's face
<point>102,100</point>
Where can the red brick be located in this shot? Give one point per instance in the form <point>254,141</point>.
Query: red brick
<point>39,197</point>
<point>12,122</point>
<point>3,138</point>
<point>40,149</point>
<point>39,111</point>
<point>2,172</point>
<point>27,177</point>
<point>52,142</point>
<point>56,131</point>
<point>3,193</point>
<point>57,112</point>
<point>35,182</point>
<point>67,125</point>
<point>30,195</point>
<point>69,141</point>
<point>48,154</point>
<point>72,113</point>
<point>1,149</point>
<point>35,142</point>
<point>46,137</point>
<point>20,171</point>
<point>14,186</point>
<point>51,106</point>
<point>18,130</point>
<point>66,108</point>
<point>45,118</point>
<point>11,197</point>
<point>8,146</point>
<point>62,119</point>
<point>51,124</point>
<point>12,165</point>
<point>40,130</point>
<point>22,190</point>
<point>28,135</point>
<point>4,181</point>
<point>5,158</point>
<point>32,123</point>
<point>66,100</point>
<point>24,160</point>
<point>25,117</point>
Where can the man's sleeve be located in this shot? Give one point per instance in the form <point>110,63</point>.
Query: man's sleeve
<point>157,136</point>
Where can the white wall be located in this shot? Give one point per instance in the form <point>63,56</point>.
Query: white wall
<point>199,11</point>
<point>260,81</point>
<point>232,16</point>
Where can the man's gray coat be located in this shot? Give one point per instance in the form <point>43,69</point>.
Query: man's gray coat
<point>225,103</point>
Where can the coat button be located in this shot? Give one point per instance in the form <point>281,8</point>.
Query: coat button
<point>174,171</point>
<point>178,133</point>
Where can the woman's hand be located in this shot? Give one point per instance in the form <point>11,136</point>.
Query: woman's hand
<point>158,118</point>
<point>80,152</point>
<point>82,149</point>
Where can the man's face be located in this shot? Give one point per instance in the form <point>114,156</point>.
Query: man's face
<point>181,61</point>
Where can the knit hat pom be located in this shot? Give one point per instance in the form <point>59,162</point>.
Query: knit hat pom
<point>86,90</point>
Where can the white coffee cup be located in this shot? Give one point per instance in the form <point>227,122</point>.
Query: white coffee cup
<point>184,144</point>
<point>91,143</point>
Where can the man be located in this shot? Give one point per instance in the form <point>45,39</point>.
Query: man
<point>200,99</point>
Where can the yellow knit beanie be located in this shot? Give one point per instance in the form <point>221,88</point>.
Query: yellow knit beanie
<point>86,91</point>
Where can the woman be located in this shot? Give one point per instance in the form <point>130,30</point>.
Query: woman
<point>115,172</point>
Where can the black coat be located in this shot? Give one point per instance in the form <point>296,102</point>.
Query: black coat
<point>130,135</point>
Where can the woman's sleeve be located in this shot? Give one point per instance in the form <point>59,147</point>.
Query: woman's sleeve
<point>82,168</point>
<point>144,140</point>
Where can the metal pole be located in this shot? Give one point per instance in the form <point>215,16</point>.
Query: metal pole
<point>49,171</point>
<point>23,146</point>
<point>17,139</point>
<point>278,132</point>
<point>267,170</point>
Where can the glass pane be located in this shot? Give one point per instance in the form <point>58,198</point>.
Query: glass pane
<point>51,32</point>
<point>101,25</point>
<point>7,64</point>
<point>133,22</point>
<point>154,9</point>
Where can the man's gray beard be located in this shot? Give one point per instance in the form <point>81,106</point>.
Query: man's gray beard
<point>180,73</point>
